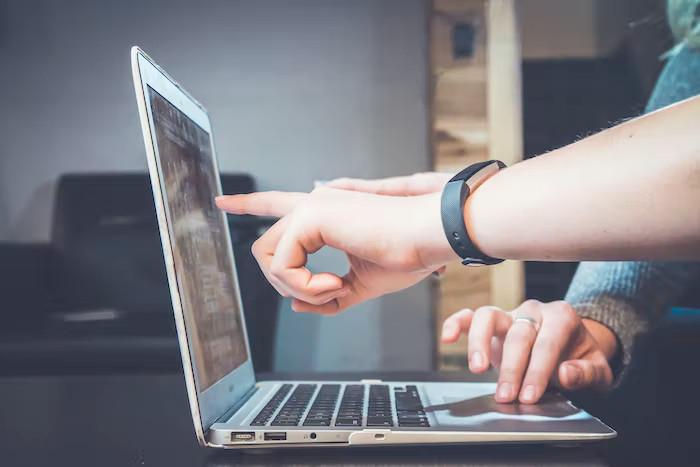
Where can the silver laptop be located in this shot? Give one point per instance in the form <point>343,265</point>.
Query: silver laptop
<point>230,409</point>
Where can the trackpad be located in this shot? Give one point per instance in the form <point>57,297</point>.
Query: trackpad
<point>472,405</point>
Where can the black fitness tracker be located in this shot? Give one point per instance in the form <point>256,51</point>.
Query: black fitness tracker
<point>452,202</point>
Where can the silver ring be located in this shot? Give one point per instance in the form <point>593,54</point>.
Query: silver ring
<point>527,319</point>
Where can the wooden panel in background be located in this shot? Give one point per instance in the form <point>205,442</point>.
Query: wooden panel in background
<point>505,117</point>
<point>476,115</point>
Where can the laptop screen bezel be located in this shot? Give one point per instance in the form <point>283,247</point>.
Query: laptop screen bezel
<point>208,405</point>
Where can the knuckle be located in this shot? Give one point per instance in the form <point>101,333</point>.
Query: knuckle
<point>486,312</point>
<point>568,318</point>
<point>549,345</point>
<point>463,313</point>
<point>531,303</point>
<point>529,307</point>
<point>256,248</point>
<point>520,335</point>
<point>276,270</point>
<point>320,189</point>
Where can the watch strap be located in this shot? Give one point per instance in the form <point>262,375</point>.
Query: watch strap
<point>454,195</point>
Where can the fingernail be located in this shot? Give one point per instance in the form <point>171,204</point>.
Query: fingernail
<point>573,374</point>
<point>477,360</point>
<point>529,393</point>
<point>505,391</point>
<point>318,183</point>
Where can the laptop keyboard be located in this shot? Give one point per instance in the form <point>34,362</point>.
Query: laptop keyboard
<point>408,408</point>
<point>294,408</point>
<point>273,404</point>
<point>379,411</point>
<point>351,406</point>
<point>324,406</point>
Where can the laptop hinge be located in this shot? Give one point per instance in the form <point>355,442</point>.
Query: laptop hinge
<point>234,408</point>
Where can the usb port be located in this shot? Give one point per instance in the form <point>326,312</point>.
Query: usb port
<point>243,436</point>
<point>276,436</point>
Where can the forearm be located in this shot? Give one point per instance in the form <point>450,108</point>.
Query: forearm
<point>630,192</point>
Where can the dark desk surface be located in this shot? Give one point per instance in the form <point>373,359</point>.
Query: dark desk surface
<point>124,420</point>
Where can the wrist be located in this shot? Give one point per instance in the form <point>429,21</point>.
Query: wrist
<point>432,244</point>
<point>603,335</point>
<point>478,216</point>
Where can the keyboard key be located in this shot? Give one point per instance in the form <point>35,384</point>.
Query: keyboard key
<point>348,422</point>
<point>415,424</point>
<point>317,422</point>
<point>284,423</point>
<point>379,421</point>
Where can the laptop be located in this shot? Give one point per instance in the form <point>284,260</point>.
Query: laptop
<point>230,409</point>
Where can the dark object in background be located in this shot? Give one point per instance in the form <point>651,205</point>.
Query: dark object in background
<point>463,39</point>
<point>96,298</point>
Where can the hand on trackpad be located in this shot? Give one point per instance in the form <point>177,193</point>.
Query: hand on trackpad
<point>458,407</point>
<point>474,404</point>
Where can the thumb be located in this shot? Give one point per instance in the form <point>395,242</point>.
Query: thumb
<point>594,373</point>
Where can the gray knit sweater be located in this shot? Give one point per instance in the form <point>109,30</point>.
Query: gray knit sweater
<point>629,296</point>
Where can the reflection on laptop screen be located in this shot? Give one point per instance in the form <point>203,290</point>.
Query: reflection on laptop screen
<point>199,243</point>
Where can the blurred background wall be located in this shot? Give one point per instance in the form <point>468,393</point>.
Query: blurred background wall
<point>298,91</point>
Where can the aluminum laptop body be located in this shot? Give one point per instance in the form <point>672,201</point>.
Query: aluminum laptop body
<point>230,409</point>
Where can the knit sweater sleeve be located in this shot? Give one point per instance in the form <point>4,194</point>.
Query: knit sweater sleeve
<point>628,297</point>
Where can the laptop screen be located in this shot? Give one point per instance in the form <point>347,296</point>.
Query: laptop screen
<point>199,238</point>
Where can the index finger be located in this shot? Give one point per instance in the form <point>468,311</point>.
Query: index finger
<point>385,186</point>
<point>266,203</point>
<point>409,185</point>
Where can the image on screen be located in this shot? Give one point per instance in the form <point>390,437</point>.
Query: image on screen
<point>199,244</point>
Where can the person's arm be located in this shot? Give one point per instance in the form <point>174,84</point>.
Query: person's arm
<point>627,193</point>
<point>627,298</point>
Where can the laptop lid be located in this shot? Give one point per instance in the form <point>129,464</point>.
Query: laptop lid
<point>196,243</point>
